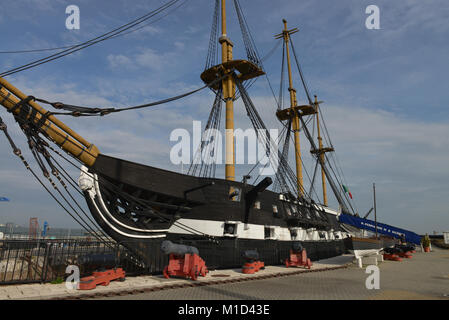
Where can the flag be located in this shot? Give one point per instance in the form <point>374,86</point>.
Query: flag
<point>4,199</point>
<point>347,190</point>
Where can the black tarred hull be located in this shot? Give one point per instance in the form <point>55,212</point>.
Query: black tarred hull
<point>227,253</point>
<point>208,203</point>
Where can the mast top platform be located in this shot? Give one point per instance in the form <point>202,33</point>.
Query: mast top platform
<point>292,112</point>
<point>247,70</point>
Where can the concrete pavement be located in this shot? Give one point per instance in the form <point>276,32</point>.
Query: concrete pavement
<point>134,285</point>
<point>423,277</point>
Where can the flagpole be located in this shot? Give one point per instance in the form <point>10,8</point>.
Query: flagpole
<point>375,212</point>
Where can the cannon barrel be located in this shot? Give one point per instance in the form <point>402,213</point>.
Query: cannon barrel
<point>169,247</point>
<point>392,250</point>
<point>106,260</point>
<point>296,246</point>
<point>60,133</point>
<point>405,247</point>
<point>251,255</point>
<point>262,185</point>
<point>251,195</point>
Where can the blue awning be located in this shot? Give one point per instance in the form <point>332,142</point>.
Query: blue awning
<point>381,228</point>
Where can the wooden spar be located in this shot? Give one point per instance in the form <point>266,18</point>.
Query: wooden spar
<point>242,70</point>
<point>321,151</point>
<point>295,120</point>
<point>320,145</point>
<point>293,111</point>
<point>60,133</point>
<point>228,94</point>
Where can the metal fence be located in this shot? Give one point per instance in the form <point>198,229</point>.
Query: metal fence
<point>28,261</point>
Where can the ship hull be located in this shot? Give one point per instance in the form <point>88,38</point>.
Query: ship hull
<point>228,253</point>
<point>141,206</point>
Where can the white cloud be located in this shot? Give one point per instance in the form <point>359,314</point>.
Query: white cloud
<point>146,58</point>
<point>118,61</point>
<point>149,58</point>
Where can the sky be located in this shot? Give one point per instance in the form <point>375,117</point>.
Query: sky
<point>385,91</point>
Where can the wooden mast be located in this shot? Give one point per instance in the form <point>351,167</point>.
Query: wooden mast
<point>321,151</point>
<point>230,69</point>
<point>295,120</point>
<point>228,94</point>
<point>293,112</point>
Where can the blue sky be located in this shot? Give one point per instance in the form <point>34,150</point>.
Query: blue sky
<point>385,91</point>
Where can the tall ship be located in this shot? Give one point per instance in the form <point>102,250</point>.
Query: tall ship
<point>140,206</point>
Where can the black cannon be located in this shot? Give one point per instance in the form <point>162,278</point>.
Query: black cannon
<point>251,255</point>
<point>169,247</point>
<point>405,247</point>
<point>98,259</point>
<point>260,187</point>
<point>392,250</point>
<point>297,247</point>
<point>252,263</point>
<point>251,195</point>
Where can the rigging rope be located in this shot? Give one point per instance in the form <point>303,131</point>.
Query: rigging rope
<point>18,153</point>
<point>306,89</point>
<point>78,111</point>
<point>281,86</point>
<point>207,169</point>
<point>78,44</point>
<point>251,50</point>
<point>22,118</point>
<point>91,42</point>
<point>284,172</point>
<point>212,53</point>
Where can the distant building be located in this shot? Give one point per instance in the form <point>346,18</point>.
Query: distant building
<point>11,230</point>
<point>9,227</point>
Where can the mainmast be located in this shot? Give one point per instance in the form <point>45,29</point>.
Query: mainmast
<point>230,71</point>
<point>295,111</point>
<point>228,95</point>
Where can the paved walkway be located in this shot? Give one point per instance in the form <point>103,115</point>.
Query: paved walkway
<point>425,276</point>
<point>134,285</point>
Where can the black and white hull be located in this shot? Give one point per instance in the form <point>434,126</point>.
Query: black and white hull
<point>140,206</point>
